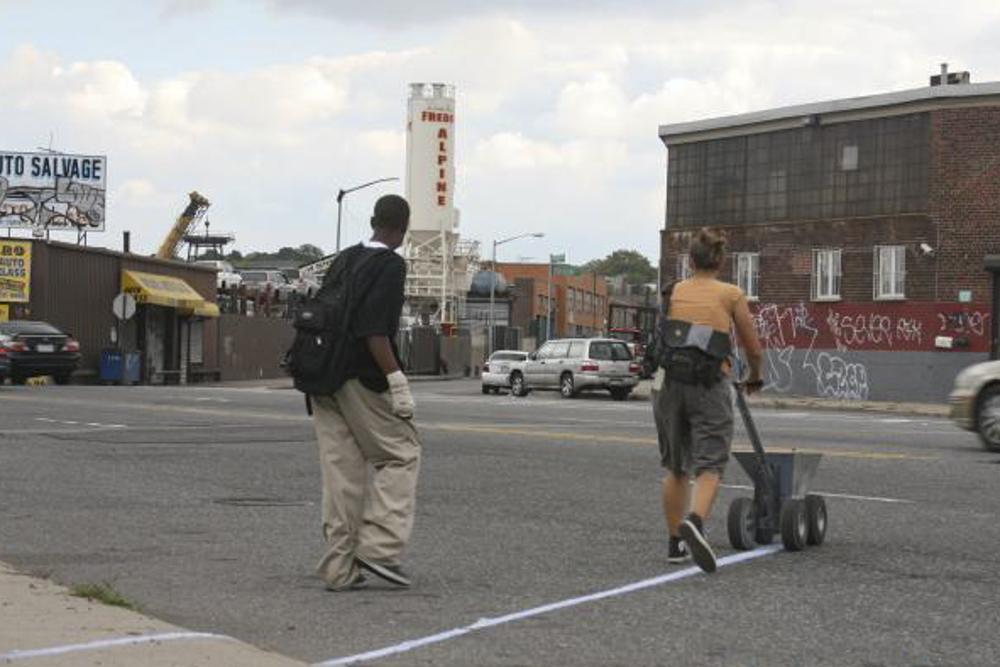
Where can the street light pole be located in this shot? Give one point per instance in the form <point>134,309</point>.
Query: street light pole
<point>340,199</point>
<point>493,279</point>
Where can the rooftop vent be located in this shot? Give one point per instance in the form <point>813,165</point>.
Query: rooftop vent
<point>946,78</point>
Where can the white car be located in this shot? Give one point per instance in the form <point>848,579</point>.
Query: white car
<point>501,366</point>
<point>227,277</point>
<point>975,402</point>
<point>264,280</point>
<point>300,282</point>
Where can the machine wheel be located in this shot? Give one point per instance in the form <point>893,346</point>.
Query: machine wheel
<point>741,524</point>
<point>566,387</point>
<point>486,389</point>
<point>619,394</point>
<point>816,518</point>
<point>988,417</point>
<point>763,535</point>
<point>794,524</point>
<point>517,387</point>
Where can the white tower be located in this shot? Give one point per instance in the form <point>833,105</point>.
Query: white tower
<point>440,265</point>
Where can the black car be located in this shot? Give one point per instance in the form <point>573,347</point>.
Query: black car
<point>30,349</point>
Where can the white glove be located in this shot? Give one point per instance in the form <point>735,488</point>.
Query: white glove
<point>658,378</point>
<point>402,399</point>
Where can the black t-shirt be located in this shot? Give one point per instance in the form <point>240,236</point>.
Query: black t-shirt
<point>378,305</point>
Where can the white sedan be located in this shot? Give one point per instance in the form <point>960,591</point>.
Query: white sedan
<point>498,369</point>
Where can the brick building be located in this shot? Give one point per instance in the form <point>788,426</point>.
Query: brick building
<point>858,228</point>
<point>579,303</point>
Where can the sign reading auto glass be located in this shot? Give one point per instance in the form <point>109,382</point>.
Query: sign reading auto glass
<point>4,312</point>
<point>15,271</point>
<point>52,191</point>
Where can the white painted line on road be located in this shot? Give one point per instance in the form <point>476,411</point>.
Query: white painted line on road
<point>109,643</point>
<point>71,423</point>
<point>484,623</point>
<point>848,496</point>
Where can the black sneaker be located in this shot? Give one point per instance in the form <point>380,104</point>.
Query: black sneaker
<point>391,573</point>
<point>677,552</point>
<point>701,552</point>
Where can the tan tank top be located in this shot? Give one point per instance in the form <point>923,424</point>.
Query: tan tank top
<point>705,301</point>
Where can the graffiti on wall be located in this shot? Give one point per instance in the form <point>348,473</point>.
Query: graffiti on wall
<point>819,343</point>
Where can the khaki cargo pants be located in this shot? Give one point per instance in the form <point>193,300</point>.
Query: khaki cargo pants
<point>369,459</point>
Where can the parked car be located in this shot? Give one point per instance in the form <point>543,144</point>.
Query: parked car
<point>499,367</point>
<point>227,276</point>
<point>301,283</point>
<point>262,280</point>
<point>975,402</point>
<point>579,364</point>
<point>32,349</point>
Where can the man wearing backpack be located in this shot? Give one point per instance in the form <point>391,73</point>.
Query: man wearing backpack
<point>368,445</point>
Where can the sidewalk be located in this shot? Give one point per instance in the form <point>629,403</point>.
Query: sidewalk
<point>779,402</point>
<point>42,625</point>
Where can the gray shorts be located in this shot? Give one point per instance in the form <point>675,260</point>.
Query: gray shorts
<point>694,426</point>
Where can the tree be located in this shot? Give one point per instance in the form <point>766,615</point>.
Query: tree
<point>632,264</point>
<point>309,252</point>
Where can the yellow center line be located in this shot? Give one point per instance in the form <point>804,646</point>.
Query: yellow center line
<point>556,435</point>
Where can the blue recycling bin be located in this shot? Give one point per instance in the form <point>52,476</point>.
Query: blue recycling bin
<point>120,367</point>
<point>132,368</point>
<point>110,369</point>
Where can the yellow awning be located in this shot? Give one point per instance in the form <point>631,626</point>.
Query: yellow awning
<point>152,288</point>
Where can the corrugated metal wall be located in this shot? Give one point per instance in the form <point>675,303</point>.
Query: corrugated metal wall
<point>72,288</point>
<point>250,348</point>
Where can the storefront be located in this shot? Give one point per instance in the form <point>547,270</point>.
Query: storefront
<point>168,326</point>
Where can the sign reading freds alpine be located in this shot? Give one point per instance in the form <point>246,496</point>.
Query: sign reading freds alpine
<point>52,191</point>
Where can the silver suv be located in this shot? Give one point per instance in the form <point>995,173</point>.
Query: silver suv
<point>572,365</point>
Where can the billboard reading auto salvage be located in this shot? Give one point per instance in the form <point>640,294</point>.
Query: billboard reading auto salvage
<point>52,191</point>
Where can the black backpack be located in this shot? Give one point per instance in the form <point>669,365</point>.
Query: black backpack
<point>318,359</point>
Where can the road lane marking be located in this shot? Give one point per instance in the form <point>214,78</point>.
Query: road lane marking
<point>597,437</point>
<point>74,423</point>
<point>827,494</point>
<point>485,623</point>
<point>110,643</point>
<point>455,428</point>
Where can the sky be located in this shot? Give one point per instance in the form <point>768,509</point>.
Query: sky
<point>269,107</point>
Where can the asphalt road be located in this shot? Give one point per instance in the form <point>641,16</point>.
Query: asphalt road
<point>200,505</point>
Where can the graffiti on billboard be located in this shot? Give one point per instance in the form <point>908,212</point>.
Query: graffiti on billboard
<point>52,191</point>
<point>818,343</point>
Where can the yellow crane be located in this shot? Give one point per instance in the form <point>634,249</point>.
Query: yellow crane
<point>187,221</point>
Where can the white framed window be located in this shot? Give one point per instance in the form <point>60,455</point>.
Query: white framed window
<point>684,266</point>
<point>826,275</point>
<point>746,268</point>
<point>890,272</point>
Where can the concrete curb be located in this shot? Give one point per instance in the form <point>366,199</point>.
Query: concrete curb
<point>42,624</point>
<point>642,392</point>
